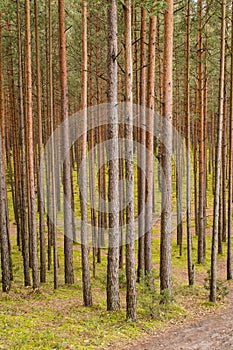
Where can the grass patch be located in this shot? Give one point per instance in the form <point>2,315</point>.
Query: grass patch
<point>58,320</point>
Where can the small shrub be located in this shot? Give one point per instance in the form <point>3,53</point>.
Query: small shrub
<point>122,279</point>
<point>221,289</point>
<point>155,305</point>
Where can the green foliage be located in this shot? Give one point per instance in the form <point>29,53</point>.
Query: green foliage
<point>157,306</point>
<point>152,7</point>
<point>222,289</point>
<point>166,297</point>
<point>63,323</point>
<point>122,279</point>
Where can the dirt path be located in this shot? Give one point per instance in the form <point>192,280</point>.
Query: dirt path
<point>212,333</point>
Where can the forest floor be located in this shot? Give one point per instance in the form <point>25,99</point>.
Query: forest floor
<point>213,331</point>
<point>205,330</point>
<point>58,320</point>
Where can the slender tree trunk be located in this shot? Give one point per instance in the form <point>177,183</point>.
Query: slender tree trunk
<point>29,117</point>
<point>205,111</point>
<point>5,258</point>
<point>14,169</point>
<point>101,185</point>
<point>47,134</point>
<point>188,150</point>
<point>92,175</point>
<point>16,153</point>
<point>213,143</point>
<point>113,298</point>
<point>160,107</point>
<point>68,229</point>
<point>213,279</point>
<point>178,150</point>
<point>201,228</point>
<point>40,184</point>
<point>220,249</point>
<point>121,199</point>
<point>24,229</point>
<point>166,215</point>
<point>160,66</point>
<point>87,296</point>
<point>230,183</point>
<point>135,39</point>
<point>142,154</point>
<point>195,171</point>
<point>53,213</point>
<point>224,159</point>
<point>150,146</point>
<point>130,233</point>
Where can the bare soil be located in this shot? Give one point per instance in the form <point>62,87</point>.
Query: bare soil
<point>206,331</point>
<point>210,330</point>
<point>212,333</point>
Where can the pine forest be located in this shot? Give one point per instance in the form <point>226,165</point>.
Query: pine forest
<point>116,174</point>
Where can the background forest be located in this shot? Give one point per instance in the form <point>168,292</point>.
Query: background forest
<point>143,230</point>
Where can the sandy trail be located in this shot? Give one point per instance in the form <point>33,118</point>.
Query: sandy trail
<point>214,332</point>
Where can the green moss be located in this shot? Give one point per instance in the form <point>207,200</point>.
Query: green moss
<point>58,320</point>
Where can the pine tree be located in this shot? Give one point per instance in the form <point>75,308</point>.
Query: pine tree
<point>113,298</point>
<point>166,216</point>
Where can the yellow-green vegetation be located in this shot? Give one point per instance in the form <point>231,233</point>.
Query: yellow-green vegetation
<point>57,319</point>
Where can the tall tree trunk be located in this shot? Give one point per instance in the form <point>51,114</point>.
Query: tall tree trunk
<point>40,183</point>
<point>130,233</point>
<point>142,154</point>
<point>205,111</point>
<point>201,227</point>
<point>178,150</point>
<point>224,158</point>
<point>47,134</point>
<point>14,171</point>
<point>53,213</point>
<point>213,279</point>
<point>150,146</point>
<point>101,185</point>
<point>87,297</point>
<point>166,215</point>
<point>188,150</point>
<point>230,183</point>
<point>24,229</point>
<point>195,175</point>
<point>5,258</point>
<point>29,118</point>
<point>220,248</point>
<point>68,229</point>
<point>92,175</point>
<point>113,298</point>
